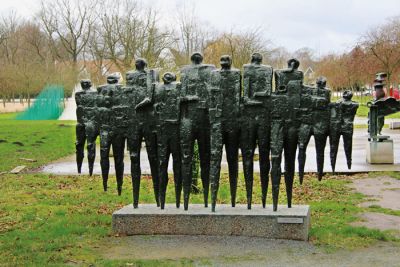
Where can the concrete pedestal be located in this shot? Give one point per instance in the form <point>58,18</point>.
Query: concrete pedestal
<point>379,152</point>
<point>293,223</point>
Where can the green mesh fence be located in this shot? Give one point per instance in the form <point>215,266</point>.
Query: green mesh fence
<point>48,105</point>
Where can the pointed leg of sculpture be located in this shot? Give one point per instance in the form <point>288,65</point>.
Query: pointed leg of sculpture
<point>186,145</point>
<point>214,180</point>
<point>79,145</point>
<point>105,160</point>
<point>304,138</point>
<point>301,159</point>
<point>215,163</point>
<point>135,186</point>
<point>320,143</point>
<point>151,148</point>
<point>134,146</point>
<point>277,139</point>
<point>248,155</point>
<point>176,163</point>
<point>275,179</point>
<point>163,172</point>
<point>204,153</point>
<point>186,176</point>
<point>264,174</point>
<point>290,161</point>
<point>91,149</point>
<point>177,178</point>
<point>135,173</point>
<point>118,151</point>
<point>334,138</point>
<point>232,156</point>
<point>348,146</point>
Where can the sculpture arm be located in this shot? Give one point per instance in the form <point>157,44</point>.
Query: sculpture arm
<point>149,99</point>
<point>246,89</point>
<point>238,94</point>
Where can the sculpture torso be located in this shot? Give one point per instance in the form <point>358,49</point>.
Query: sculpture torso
<point>348,110</point>
<point>321,109</point>
<point>194,83</point>
<point>283,77</point>
<point>228,82</point>
<point>166,99</point>
<point>104,102</point>
<point>257,78</point>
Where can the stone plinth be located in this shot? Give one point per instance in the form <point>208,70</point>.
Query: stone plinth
<point>379,152</point>
<point>285,223</point>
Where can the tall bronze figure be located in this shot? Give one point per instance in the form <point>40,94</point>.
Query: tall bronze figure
<point>279,119</point>
<point>320,115</point>
<point>293,92</point>
<point>142,127</point>
<point>195,123</point>
<point>306,126</point>
<point>224,108</point>
<point>342,118</point>
<point>87,129</point>
<point>166,102</point>
<point>104,103</point>
<point>120,111</point>
<point>256,124</point>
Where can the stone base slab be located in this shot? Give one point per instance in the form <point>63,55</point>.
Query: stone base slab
<point>293,223</point>
<point>380,152</point>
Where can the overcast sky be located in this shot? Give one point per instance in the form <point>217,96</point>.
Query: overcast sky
<point>323,25</point>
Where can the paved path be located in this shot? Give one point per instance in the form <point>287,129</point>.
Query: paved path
<point>384,192</point>
<point>69,113</point>
<point>243,251</point>
<point>364,120</point>
<point>67,166</point>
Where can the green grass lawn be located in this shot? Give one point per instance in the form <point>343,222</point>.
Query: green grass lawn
<point>59,220</point>
<point>41,141</point>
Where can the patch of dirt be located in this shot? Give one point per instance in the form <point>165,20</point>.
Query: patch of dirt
<point>243,251</point>
<point>384,190</point>
<point>379,221</point>
<point>18,143</point>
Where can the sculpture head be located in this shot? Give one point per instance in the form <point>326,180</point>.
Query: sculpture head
<point>256,58</point>
<point>86,84</point>
<point>293,64</point>
<point>226,62</point>
<point>169,77</point>
<point>113,78</point>
<point>321,82</point>
<point>196,58</point>
<point>347,95</point>
<point>140,64</point>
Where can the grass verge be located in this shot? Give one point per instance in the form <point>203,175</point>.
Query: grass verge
<point>33,143</point>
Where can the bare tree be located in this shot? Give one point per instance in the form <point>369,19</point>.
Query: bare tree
<point>192,34</point>
<point>239,45</point>
<point>9,39</point>
<point>383,42</point>
<point>68,22</point>
<point>278,57</point>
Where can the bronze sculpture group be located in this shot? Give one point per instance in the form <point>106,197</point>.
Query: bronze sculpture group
<point>214,107</point>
